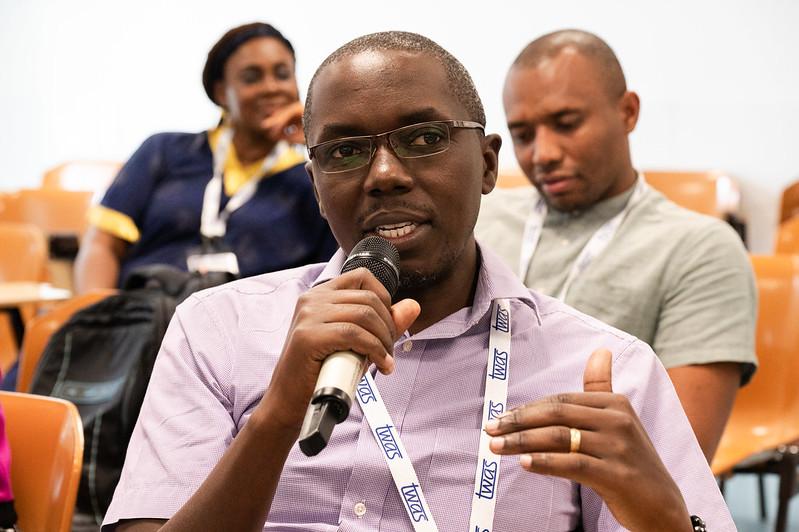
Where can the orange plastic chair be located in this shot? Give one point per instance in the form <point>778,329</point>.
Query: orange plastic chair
<point>765,417</point>
<point>94,176</point>
<point>46,440</point>
<point>789,207</point>
<point>512,179</point>
<point>23,257</point>
<point>23,253</point>
<point>788,236</point>
<point>41,328</point>
<point>713,193</point>
<point>53,211</point>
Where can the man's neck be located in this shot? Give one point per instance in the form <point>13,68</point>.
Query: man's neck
<point>450,294</point>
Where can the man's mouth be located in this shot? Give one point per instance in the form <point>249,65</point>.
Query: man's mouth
<point>397,230</point>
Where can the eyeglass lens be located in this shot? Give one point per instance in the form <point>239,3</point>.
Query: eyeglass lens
<point>418,140</point>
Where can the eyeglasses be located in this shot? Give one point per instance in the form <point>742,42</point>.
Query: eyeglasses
<point>408,142</point>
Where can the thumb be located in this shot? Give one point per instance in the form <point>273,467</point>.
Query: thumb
<point>405,313</point>
<point>597,376</point>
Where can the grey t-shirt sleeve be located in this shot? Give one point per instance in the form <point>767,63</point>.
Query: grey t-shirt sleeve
<point>710,302</point>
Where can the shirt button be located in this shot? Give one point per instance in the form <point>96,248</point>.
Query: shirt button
<point>407,345</point>
<point>360,509</point>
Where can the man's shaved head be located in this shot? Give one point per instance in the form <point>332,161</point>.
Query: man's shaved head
<point>586,44</point>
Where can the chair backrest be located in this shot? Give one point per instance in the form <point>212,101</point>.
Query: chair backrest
<point>789,206</point>
<point>39,329</point>
<point>23,253</point>
<point>54,211</point>
<point>512,179</point>
<point>45,436</point>
<point>788,236</point>
<point>94,176</point>
<point>766,411</point>
<point>713,193</point>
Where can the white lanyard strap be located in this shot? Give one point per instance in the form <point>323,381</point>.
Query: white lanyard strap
<point>400,466</point>
<point>484,493</point>
<point>486,477</point>
<point>595,246</point>
<point>213,223</point>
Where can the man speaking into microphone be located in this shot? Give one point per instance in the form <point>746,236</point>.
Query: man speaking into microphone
<point>483,407</point>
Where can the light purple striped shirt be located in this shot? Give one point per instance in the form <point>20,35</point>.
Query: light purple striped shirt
<point>218,355</point>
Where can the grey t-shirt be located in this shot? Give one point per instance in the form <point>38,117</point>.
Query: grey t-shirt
<point>676,279</point>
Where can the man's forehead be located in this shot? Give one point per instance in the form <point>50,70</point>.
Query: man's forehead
<point>381,82</point>
<point>384,67</point>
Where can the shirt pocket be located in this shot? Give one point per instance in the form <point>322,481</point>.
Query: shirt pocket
<point>524,500</point>
<point>623,300</point>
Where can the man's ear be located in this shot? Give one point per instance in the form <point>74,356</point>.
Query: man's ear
<point>309,169</point>
<point>630,106</point>
<point>491,145</point>
<point>219,95</point>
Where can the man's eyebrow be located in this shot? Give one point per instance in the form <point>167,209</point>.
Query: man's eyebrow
<point>331,131</point>
<point>336,131</point>
<point>553,115</point>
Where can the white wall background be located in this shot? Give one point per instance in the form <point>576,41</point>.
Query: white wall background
<point>719,80</point>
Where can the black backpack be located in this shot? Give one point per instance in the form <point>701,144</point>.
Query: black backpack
<point>101,360</point>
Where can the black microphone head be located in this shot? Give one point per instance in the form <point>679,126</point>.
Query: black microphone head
<point>380,257</point>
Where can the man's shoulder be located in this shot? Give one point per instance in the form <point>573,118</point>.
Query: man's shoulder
<point>275,291</point>
<point>169,140</point>
<point>559,319</point>
<point>663,220</point>
<point>657,208</point>
<point>502,201</point>
<point>501,220</point>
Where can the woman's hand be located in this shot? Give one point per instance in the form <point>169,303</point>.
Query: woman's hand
<point>286,124</point>
<point>611,454</point>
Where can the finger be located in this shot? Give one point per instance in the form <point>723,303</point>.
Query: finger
<point>282,117</point>
<point>598,371</point>
<point>404,313</point>
<point>359,279</point>
<point>296,136</point>
<point>546,439</point>
<point>579,467</point>
<point>581,410</point>
<point>366,317</point>
<point>333,337</point>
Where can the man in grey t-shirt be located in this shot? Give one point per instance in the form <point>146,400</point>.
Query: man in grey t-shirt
<point>594,234</point>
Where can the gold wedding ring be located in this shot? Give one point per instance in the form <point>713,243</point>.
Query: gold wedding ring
<point>575,436</point>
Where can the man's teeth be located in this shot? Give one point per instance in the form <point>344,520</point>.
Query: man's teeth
<point>395,230</point>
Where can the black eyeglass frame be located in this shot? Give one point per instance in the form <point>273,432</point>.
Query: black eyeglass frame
<point>373,140</point>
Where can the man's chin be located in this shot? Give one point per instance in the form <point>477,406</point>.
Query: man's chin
<point>415,281</point>
<point>564,204</point>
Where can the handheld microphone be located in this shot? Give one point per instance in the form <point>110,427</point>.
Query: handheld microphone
<point>330,404</point>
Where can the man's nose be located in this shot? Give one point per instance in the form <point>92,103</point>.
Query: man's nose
<point>387,173</point>
<point>546,149</point>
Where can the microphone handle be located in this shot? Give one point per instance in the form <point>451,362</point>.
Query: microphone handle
<point>331,402</point>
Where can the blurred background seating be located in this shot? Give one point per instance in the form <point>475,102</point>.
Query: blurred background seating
<point>788,236</point>
<point>94,176</point>
<point>763,429</point>
<point>45,436</point>
<point>789,204</point>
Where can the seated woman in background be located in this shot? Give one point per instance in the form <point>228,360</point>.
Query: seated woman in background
<point>239,188</point>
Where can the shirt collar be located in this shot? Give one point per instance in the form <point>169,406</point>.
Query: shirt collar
<point>494,281</point>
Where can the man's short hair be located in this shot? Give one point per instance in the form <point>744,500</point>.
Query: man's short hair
<point>586,44</point>
<point>459,79</point>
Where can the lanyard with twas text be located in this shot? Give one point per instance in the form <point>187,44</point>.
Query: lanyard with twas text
<point>486,478</point>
